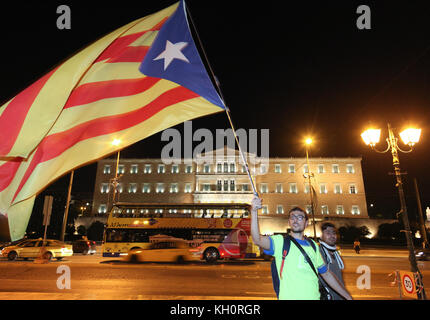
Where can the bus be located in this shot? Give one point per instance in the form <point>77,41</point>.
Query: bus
<point>218,230</point>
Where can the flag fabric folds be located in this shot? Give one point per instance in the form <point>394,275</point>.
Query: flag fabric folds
<point>71,116</point>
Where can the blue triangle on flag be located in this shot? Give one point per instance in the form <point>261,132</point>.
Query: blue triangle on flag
<point>174,56</point>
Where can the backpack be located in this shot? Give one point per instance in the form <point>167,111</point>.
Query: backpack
<point>273,268</point>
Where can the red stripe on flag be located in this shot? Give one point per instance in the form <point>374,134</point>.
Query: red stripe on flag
<point>7,173</point>
<point>54,145</point>
<point>95,91</point>
<point>131,54</point>
<point>14,115</point>
<point>120,45</point>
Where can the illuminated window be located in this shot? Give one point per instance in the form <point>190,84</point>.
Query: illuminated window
<point>263,169</point>
<point>323,188</point>
<point>350,168</point>
<point>148,168</point>
<point>102,208</point>
<point>355,210</point>
<point>232,185</point>
<point>146,188</point>
<point>175,168</point>
<point>160,188</point>
<point>232,168</point>
<point>337,188</point>
<point>174,188</point>
<point>279,188</point>
<point>134,168</point>
<point>339,209</point>
<point>263,188</point>
<point>305,168</point>
<point>187,188</point>
<point>206,168</point>
<point>265,209</point>
<point>278,168</point>
<point>279,209</point>
<point>324,209</point>
<point>104,188</point>
<point>132,188</point>
<point>335,168</point>
<point>161,168</point>
<point>320,168</point>
<point>121,169</point>
<point>293,188</point>
<point>106,169</point>
<point>307,188</point>
<point>308,209</point>
<point>291,168</point>
<point>352,189</point>
<point>188,168</point>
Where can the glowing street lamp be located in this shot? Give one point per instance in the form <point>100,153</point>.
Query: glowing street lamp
<point>410,137</point>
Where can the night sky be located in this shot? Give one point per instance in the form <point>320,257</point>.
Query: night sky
<point>297,69</point>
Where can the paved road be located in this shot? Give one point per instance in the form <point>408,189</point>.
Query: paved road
<point>95,277</point>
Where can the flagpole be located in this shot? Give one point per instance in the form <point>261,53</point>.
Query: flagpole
<point>66,211</point>
<point>227,110</point>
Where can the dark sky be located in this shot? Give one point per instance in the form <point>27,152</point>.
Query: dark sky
<point>297,68</point>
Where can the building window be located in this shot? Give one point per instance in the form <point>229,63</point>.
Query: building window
<point>161,168</point>
<point>335,168</point>
<point>206,168</point>
<point>278,168</point>
<point>225,167</point>
<point>305,168</point>
<point>337,188</point>
<point>263,169</point>
<point>308,209</point>
<point>121,169</point>
<point>243,169</point>
<point>148,168</point>
<point>232,168</point>
<point>245,187</point>
<point>174,188</point>
<point>188,168</point>
<point>320,168</point>
<point>352,189</point>
<point>225,185</point>
<point>102,208</point>
<point>219,168</point>
<point>132,188</point>
<point>232,185</point>
<point>339,209</point>
<point>263,188</point>
<point>291,168</point>
<point>104,188</point>
<point>265,209</point>
<point>120,188</point>
<point>323,188</point>
<point>134,169</point>
<point>350,168</point>
<point>219,185</point>
<point>293,187</point>
<point>279,188</point>
<point>106,169</point>
<point>307,188</point>
<point>355,210</point>
<point>279,209</point>
<point>187,188</point>
<point>206,187</point>
<point>160,188</point>
<point>146,188</point>
<point>324,209</point>
<point>175,168</point>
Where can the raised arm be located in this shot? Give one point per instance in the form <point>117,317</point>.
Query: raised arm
<point>259,240</point>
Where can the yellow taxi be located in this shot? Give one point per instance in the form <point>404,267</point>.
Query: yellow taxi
<point>165,251</point>
<point>48,249</point>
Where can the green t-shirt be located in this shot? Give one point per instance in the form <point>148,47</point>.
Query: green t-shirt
<point>298,281</point>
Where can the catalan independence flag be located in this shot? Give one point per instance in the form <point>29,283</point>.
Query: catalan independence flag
<point>140,79</point>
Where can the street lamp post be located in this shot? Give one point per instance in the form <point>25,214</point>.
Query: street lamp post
<point>308,142</point>
<point>116,143</point>
<point>409,137</point>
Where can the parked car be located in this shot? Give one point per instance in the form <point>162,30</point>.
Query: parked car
<point>37,247</point>
<point>84,246</point>
<point>165,251</point>
<point>422,254</point>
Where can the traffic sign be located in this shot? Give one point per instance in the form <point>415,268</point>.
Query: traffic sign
<point>407,281</point>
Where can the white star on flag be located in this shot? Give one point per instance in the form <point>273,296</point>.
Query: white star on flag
<point>173,51</point>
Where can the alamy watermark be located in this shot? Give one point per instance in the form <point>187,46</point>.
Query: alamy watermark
<point>212,149</point>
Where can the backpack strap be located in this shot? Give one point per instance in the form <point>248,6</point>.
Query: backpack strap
<point>285,250</point>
